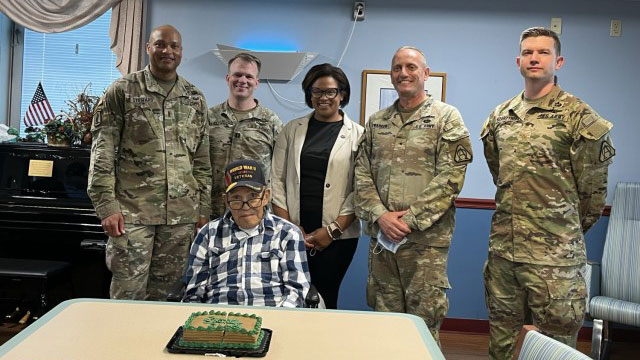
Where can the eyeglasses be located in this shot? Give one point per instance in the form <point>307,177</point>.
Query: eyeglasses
<point>239,204</point>
<point>330,93</point>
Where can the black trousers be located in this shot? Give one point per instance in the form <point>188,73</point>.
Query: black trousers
<point>328,268</point>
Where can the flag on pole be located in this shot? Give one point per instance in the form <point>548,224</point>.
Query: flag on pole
<point>39,112</point>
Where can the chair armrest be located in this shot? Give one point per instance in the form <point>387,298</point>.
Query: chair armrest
<point>313,298</point>
<point>176,292</point>
<point>591,276</point>
<point>520,341</point>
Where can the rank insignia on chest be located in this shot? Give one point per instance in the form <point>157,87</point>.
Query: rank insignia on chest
<point>606,151</point>
<point>462,154</point>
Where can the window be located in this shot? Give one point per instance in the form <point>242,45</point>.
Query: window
<point>66,62</point>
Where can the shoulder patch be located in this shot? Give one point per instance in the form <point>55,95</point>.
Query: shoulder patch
<point>486,128</point>
<point>606,151</point>
<point>462,154</point>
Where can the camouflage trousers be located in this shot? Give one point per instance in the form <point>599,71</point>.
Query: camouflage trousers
<point>553,297</point>
<point>413,281</point>
<point>147,260</point>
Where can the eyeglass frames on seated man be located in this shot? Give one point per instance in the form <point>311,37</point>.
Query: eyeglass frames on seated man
<point>252,203</point>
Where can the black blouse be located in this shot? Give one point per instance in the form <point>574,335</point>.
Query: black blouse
<point>314,159</point>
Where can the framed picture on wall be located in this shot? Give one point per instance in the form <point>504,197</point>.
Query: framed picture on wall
<point>378,92</point>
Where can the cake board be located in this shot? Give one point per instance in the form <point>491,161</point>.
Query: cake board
<point>174,348</point>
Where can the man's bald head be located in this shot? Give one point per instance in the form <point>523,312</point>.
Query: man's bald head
<point>167,29</point>
<point>165,51</point>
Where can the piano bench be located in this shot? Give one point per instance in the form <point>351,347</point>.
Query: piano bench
<point>30,283</point>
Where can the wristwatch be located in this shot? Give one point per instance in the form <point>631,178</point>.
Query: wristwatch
<point>334,230</point>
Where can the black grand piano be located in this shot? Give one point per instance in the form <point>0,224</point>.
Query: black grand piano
<point>51,217</point>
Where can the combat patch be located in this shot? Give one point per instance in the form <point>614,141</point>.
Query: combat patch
<point>606,151</point>
<point>97,119</point>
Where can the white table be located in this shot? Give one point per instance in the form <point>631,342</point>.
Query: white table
<point>115,329</point>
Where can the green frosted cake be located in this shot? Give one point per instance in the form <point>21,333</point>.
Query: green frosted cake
<point>221,330</point>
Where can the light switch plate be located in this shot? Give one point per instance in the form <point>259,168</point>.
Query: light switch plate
<point>556,25</point>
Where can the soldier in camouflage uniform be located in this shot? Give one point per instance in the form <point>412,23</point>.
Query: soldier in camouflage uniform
<point>410,168</point>
<point>548,153</point>
<point>240,127</point>
<point>150,174</point>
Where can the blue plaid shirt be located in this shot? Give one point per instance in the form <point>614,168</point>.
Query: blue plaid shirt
<point>228,266</point>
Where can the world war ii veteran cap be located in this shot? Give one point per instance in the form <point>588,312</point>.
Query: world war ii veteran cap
<point>244,173</point>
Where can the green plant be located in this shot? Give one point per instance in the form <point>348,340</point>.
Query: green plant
<point>62,128</point>
<point>81,111</point>
<point>33,134</point>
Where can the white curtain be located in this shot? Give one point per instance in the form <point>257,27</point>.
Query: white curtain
<point>128,34</point>
<point>52,16</point>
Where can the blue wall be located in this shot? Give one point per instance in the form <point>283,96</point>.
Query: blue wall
<point>474,42</point>
<point>467,255</point>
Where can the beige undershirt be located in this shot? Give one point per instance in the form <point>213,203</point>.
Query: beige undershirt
<point>532,103</point>
<point>167,85</point>
<point>241,114</point>
<point>406,114</point>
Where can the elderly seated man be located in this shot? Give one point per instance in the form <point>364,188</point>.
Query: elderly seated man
<point>248,256</point>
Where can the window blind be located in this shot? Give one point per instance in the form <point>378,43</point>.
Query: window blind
<point>66,62</point>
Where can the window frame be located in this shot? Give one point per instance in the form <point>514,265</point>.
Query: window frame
<point>15,76</point>
<point>13,112</point>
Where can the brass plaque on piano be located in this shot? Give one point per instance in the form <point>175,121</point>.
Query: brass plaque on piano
<point>42,168</point>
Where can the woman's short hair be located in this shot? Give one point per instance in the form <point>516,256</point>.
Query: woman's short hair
<point>323,70</point>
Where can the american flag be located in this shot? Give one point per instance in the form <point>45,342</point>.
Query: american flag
<point>39,112</point>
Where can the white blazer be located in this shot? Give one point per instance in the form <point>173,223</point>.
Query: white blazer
<point>338,183</point>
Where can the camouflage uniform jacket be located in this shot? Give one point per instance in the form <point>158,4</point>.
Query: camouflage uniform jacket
<point>417,165</point>
<point>549,165</point>
<point>253,136</point>
<point>149,157</point>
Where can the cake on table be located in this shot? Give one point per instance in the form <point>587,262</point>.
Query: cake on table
<point>221,330</point>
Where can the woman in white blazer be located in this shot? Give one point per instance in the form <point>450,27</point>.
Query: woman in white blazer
<point>312,178</point>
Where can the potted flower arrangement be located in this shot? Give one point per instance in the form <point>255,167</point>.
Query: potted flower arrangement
<point>61,131</point>
<point>68,127</point>
<point>81,112</point>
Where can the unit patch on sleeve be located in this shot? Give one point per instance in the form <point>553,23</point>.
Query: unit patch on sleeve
<point>606,151</point>
<point>462,154</point>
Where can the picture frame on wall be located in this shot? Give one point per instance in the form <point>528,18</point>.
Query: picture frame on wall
<point>378,92</point>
